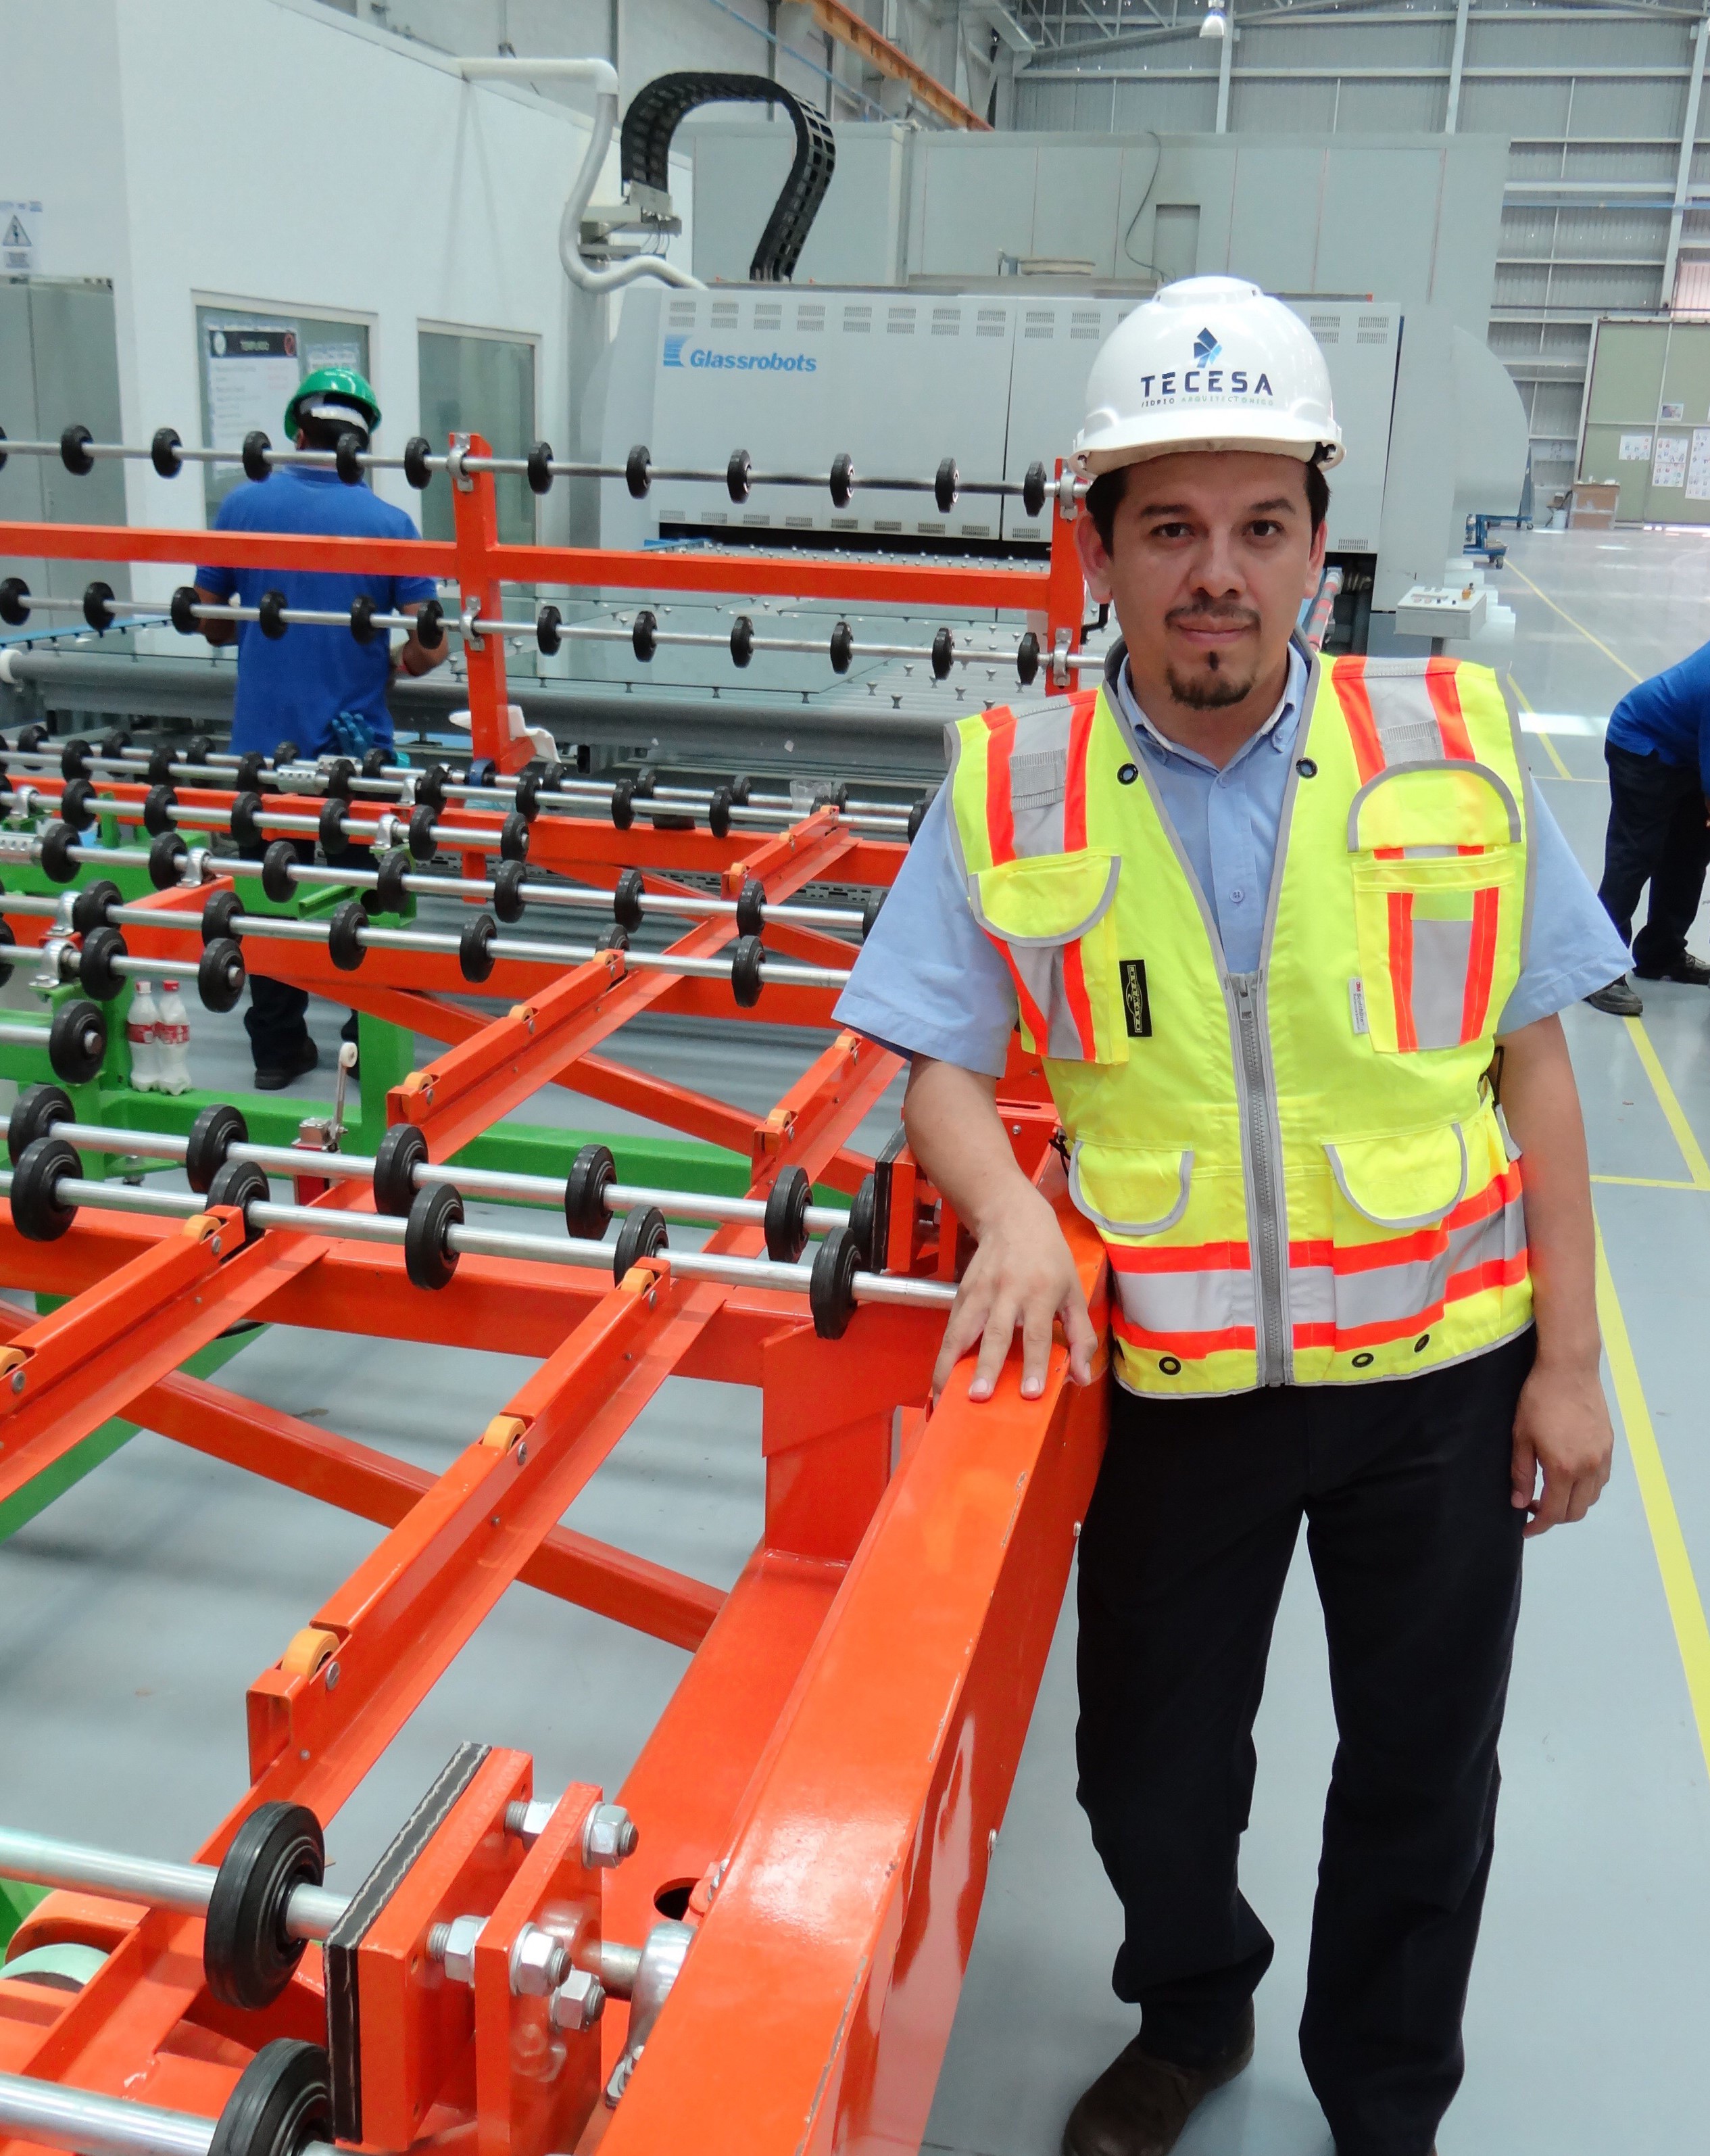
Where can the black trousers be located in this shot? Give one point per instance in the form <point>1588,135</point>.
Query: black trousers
<point>1416,1546</point>
<point>275,1018</point>
<point>1656,831</point>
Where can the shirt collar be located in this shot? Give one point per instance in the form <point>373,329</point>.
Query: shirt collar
<point>1278,730</point>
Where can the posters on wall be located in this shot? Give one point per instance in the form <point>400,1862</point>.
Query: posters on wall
<point>1636,450</point>
<point>1698,467</point>
<point>252,372</point>
<point>1668,463</point>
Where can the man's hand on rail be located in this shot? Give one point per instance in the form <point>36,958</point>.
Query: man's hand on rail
<point>1022,1275</point>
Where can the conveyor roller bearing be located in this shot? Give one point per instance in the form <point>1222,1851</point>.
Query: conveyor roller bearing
<point>212,1135</point>
<point>831,1291</point>
<point>220,976</point>
<point>399,1154</point>
<point>240,1184</point>
<point>787,1215</point>
<point>77,1041</point>
<point>643,1234</point>
<point>282,2103</point>
<point>95,964</point>
<point>344,936</point>
<point>33,1115</point>
<point>37,1213</point>
<point>89,909</point>
<point>164,856</point>
<point>592,1174</point>
<point>247,1954</point>
<point>437,1207</point>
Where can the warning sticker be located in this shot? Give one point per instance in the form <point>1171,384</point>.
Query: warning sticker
<point>20,238</point>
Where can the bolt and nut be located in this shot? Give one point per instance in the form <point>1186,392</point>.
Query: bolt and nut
<point>454,1945</point>
<point>538,1963</point>
<point>577,2003</point>
<point>608,1836</point>
<point>526,1817</point>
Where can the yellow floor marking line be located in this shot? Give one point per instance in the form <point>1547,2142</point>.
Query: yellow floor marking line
<point>1549,747</point>
<point>1667,1099</point>
<point>1572,623</point>
<point>1648,1182</point>
<point>1685,1607</point>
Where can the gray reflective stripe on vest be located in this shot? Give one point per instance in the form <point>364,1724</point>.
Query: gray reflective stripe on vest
<point>1416,1287</point>
<point>1207,1299</point>
<point>1457,763</point>
<point>1039,777</point>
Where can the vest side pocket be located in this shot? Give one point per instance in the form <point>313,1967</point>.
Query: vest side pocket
<point>1050,915</point>
<point>1134,1192</point>
<point>1402,1180</point>
<point>1429,932</point>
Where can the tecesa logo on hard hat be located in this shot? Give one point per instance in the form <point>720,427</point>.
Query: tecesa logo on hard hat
<point>742,362</point>
<point>1205,377</point>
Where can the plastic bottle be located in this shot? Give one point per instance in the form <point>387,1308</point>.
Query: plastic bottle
<point>142,1031</point>
<point>172,1071</point>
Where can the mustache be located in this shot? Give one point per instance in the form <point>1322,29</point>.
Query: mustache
<point>1212,616</point>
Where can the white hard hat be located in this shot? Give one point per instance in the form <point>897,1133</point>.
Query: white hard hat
<point>1209,363</point>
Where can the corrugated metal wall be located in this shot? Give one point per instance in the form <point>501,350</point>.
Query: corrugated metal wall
<point>1593,98</point>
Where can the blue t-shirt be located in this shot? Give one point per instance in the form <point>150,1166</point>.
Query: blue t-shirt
<point>1669,715</point>
<point>293,687</point>
<point>929,981</point>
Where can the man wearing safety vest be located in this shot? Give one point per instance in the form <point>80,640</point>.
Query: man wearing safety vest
<point>1291,938</point>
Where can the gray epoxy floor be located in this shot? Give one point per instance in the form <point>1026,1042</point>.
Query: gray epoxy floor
<point>134,1611</point>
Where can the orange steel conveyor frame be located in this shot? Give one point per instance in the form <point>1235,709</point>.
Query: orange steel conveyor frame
<point>826,1784</point>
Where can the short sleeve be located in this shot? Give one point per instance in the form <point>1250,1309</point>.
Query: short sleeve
<point>222,583</point>
<point>928,981</point>
<point>408,591</point>
<point>1574,949</point>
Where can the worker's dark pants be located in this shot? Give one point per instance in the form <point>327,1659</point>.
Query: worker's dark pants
<point>1657,831</point>
<point>274,1021</point>
<point>1405,1489</point>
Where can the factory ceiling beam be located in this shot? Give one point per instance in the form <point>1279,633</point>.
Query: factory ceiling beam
<point>840,21</point>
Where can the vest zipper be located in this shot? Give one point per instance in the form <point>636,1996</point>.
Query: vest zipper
<point>1265,1209</point>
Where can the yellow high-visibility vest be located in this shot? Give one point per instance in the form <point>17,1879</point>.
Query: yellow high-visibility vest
<point>1300,1174</point>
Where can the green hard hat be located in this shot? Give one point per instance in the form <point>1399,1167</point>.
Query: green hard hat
<point>335,385</point>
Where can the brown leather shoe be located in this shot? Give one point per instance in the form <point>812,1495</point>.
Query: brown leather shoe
<point>1140,2105</point>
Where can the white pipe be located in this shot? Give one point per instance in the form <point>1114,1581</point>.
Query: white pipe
<point>603,76</point>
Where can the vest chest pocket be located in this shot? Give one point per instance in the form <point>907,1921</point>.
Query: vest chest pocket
<point>1050,915</point>
<point>1437,870</point>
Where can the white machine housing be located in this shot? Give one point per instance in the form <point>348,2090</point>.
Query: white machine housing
<point>901,379</point>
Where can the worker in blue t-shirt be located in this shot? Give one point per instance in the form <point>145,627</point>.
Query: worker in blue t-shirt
<point>1658,752</point>
<point>318,688</point>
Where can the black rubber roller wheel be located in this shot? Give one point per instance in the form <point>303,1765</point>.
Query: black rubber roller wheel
<point>157,806</point>
<point>401,1152</point>
<point>507,879</point>
<point>220,977</point>
<point>212,1135</point>
<point>437,1208</point>
<point>830,1293</point>
<point>331,829</point>
<point>76,804</point>
<point>219,916</point>
<point>34,1113</point>
<point>917,816</point>
<point>592,1173</point>
<point>474,948</point>
<point>863,1215</point>
<point>430,787</point>
<point>243,825</point>
<point>643,1234</point>
<point>77,1041</point>
<point>74,758</point>
<point>514,837</point>
<point>718,812</point>
<point>55,852</point>
<point>1028,660</point>
<point>626,900</point>
<point>247,1953</point>
<point>7,942</point>
<point>95,964</point>
<point>240,1184</point>
<point>36,1211</point>
<point>164,856</point>
<point>344,936</point>
<point>389,895</point>
<point>276,863</point>
<point>787,1215</point>
<point>871,907</point>
<point>89,909</point>
<point>338,774</point>
<point>751,907</point>
<point>282,2101</point>
<point>422,843</point>
<point>252,775</point>
<point>746,978</point>
<point>623,804</point>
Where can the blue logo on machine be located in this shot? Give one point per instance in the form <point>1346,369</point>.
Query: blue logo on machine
<point>678,351</point>
<point>1206,348</point>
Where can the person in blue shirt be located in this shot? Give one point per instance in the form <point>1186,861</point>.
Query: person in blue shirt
<point>1657,749</point>
<point>318,688</point>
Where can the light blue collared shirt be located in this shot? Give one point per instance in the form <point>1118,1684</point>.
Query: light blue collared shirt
<point>929,981</point>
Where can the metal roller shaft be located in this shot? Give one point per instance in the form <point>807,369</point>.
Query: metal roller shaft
<point>310,1913</point>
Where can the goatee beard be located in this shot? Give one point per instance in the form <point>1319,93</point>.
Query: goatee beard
<point>1208,692</point>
